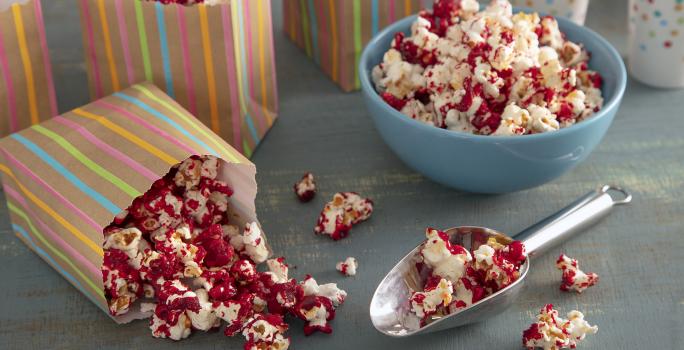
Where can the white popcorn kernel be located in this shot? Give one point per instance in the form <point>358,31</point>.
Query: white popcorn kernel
<point>348,266</point>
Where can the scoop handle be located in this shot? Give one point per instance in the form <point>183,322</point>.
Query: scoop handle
<point>575,218</point>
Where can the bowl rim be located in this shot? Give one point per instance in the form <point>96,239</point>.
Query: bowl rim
<point>613,103</point>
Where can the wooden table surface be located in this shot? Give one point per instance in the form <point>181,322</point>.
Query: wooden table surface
<point>638,250</point>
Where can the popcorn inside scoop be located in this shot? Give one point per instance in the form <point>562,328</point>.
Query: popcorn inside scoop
<point>348,266</point>
<point>305,188</point>
<point>458,278</point>
<point>344,211</point>
<point>181,251</point>
<point>573,278</point>
<point>488,72</point>
<point>551,332</point>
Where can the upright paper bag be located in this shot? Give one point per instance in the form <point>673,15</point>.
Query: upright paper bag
<point>333,33</point>
<point>27,94</point>
<point>216,61</point>
<point>66,178</point>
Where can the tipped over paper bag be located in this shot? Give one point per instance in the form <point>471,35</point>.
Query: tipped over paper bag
<point>67,178</point>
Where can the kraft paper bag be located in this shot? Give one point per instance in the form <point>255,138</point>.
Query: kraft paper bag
<point>27,94</point>
<point>66,178</point>
<point>217,61</point>
<point>333,33</point>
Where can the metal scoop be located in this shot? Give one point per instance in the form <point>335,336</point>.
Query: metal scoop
<point>390,308</point>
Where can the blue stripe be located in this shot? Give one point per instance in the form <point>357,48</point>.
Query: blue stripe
<point>164,49</point>
<point>374,17</point>
<point>164,118</point>
<point>46,256</point>
<point>314,31</point>
<point>106,203</point>
<point>54,264</point>
<point>250,123</point>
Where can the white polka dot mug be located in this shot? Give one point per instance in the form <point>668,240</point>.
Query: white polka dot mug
<point>575,10</point>
<point>656,42</point>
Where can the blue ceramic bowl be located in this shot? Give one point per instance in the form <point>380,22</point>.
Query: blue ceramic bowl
<point>494,164</point>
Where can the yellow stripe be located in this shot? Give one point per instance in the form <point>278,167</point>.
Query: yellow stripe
<point>209,65</point>
<point>42,205</point>
<point>26,60</point>
<point>129,136</point>
<point>333,34</point>
<point>262,64</point>
<point>407,7</point>
<point>238,62</point>
<point>108,46</point>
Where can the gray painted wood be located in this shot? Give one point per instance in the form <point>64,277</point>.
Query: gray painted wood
<point>637,250</point>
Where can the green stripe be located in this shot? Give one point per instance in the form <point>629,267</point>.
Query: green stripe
<point>144,48</point>
<point>246,148</point>
<point>59,254</point>
<point>96,168</point>
<point>305,27</point>
<point>189,121</point>
<point>357,40</point>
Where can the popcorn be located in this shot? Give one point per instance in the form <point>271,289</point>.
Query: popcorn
<point>177,246</point>
<point>266,332</point>
<point>348,266</point>
<point>192,2</point>
<point>339,215</point>
<point>458,278</point>
<point>434,295</point>
<point>305,188</point>
<point>551,332</point>
<point>488,72</point>
<point>446,260</point>
<point>573,278</point>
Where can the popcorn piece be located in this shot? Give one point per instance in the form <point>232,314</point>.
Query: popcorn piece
<point>339,215</point>
<point>461,68</point>
<point>255,243</point>
<point>266,332</point>
<point>329,290</point>
<point>436,294</point>
<point>573,278</point>
<point>446,260</point>
<point>551,332</point>
<point>316,311</point>
<point>205,318</point>
<point>305,189</point>
<point>348,267</point>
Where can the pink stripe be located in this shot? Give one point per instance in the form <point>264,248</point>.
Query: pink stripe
<point>189,83</point>
<point>11,97</point>
<point>250,68</point>
<point>46,59</point>
<point>52,191</point>
<point>91,46</point>
<point>269,31</point>
<point>323,39</point>
<point>391,14</point>
<point>124,42</point>
<point>145,124</point>
<point>232,79</point>
<point>65,247</point>
<point>108,149</point>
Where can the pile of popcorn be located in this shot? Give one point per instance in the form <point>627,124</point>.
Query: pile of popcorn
<point>459,278</point>
<point>176,248</point>
<point>488,72</point>
<point>551,332</point>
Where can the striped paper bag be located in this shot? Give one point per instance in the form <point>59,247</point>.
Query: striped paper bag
<point>216,61</point>
<point>333,33</point>
<point>27,94</point>
<point>66,178</point>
